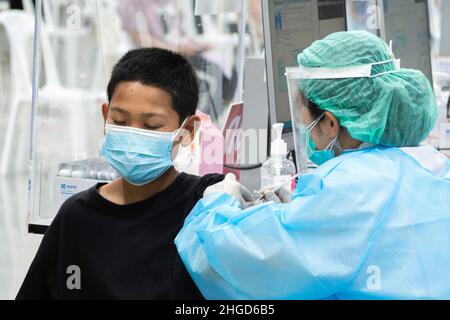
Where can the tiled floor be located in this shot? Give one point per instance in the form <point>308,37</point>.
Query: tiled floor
<point>17,247</point>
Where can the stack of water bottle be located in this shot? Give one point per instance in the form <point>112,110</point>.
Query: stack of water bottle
<point>92,169</point>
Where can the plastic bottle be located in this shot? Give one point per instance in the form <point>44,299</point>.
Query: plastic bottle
<point>277,168</point>
<point>65,170</point>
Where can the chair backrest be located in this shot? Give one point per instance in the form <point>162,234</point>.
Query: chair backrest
<point>19,28</point>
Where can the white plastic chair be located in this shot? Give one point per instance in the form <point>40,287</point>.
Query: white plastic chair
<point>82,125</point>
<point>113,39</point>
<point>19,28</point>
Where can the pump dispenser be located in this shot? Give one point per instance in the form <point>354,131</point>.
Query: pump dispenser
<point>277,168</point>
<point>278,148</point>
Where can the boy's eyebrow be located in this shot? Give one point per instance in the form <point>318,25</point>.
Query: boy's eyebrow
<point>120,110</point>
<point>150,115</point>
<point>143,115</point>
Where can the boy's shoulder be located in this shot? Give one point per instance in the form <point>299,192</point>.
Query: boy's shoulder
<point>80,198</point>
<point>70,212</point>
<point>200,183</point>
<point>79,203</point>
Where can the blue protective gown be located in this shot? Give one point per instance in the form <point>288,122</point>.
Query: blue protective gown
<point>370,224</point>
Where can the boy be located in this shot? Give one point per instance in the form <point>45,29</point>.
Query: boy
<point>116,240</point>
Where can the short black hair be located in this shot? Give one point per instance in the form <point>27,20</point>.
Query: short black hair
<point>163,69</point>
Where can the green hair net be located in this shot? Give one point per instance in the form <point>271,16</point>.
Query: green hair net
<point>396,109</point>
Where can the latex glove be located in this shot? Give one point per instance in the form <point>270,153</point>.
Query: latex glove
<point>282,195</point>
<point>232,187</point>
<point>228,185</point>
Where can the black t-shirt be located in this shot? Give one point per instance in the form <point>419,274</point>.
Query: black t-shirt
<point>95,249</point>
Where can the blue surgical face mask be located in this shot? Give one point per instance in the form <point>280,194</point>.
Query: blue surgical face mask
<point>139,156</point>
<point>319,157</point>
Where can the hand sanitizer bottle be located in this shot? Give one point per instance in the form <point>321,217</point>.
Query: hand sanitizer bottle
<point>277,168</point>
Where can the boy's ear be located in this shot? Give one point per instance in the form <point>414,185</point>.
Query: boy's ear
<point>105,109</point>
<point>192,125</point>
<point>190,128</point>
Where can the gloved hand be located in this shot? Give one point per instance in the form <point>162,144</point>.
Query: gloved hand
<point>283,195</point>
<point>232,187</point>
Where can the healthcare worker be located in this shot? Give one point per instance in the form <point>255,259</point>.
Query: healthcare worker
<point>371,222</point>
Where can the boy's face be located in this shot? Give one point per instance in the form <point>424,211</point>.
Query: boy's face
<point>141,106</point>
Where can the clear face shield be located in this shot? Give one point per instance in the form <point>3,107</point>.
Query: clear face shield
<point>299,125</point>
<point>298,107</point>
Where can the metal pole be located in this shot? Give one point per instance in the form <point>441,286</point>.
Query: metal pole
<point>34,99</point>
<point>241,51</point>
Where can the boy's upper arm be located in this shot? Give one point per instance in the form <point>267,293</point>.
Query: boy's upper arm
<point>206,181</point>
